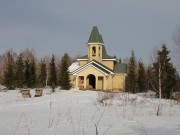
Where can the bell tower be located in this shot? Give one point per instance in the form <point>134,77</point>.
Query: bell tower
<point>95,45</point>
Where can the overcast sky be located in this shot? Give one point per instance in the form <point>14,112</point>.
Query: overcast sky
<point>59,26</point>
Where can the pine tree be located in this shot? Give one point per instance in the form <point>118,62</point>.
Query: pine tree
<point>131,80</point>
<point>19,72</point>
<point>43,74</point>
<point>9,72</point>
<point>164,73</point>
<point>141,79</point>
<point>52,75</point>
<point>64,79</point>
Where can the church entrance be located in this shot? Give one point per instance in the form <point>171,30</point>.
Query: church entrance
<point>91,82</point>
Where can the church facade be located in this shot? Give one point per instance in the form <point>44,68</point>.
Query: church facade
<point>97,70</point>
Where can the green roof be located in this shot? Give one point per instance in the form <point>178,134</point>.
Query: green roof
<point>101,39</point>
<point>105,55</point>
<point>120,68</point>
<point>83,57</point>
<point>95,37</point>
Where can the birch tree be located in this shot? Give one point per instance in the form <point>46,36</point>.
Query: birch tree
<point>164,74</point>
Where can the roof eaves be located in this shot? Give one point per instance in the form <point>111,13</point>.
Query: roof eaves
<point>103,66</point>
<point>102,69</point>
<point>95,64</point>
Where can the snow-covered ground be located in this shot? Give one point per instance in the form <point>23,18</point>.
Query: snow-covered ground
<point>86,113</point>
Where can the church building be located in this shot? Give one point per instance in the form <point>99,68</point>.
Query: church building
<point>97,70</point>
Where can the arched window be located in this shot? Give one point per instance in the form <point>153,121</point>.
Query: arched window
<point>93,51</point>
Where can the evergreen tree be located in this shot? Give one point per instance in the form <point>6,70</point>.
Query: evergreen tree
<point>43,74</point>
<point>32,73</point>
<point>9,72</point>
<point>27,73</point>
<point>52,75</point>
<point>177,88</point>
<point>149,76</point>
<point>141,80</point>
<point>164,73</point>
<point>64,79</point>
<point>131,80</point>
<point>19,72</point>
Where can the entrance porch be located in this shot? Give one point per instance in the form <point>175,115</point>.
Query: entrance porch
<point>90,82</point>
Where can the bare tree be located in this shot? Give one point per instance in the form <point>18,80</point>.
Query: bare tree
<point>1,68</point>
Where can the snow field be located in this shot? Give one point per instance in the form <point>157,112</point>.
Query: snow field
<point>77,112</point>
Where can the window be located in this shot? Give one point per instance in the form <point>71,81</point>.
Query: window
<point>81,79</point>
<point>93,51</point>
<point>99,51</point>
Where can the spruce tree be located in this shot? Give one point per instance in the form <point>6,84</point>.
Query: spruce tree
<point>164,73</point>
<point>131,80</point>
<point>52,75</point>
<point>64,79</point>
<point>141,79</point>
<point>43,74</point>
<point>9,76</point>
<point>149,78</point>
<point>27,73</point>
<point>32,73</point>
<point>19,72</point>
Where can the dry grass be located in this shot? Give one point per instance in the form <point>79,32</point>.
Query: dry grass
<point>103,96</point>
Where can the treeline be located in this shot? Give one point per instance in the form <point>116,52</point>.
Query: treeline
<point>159,76</point>
<point>26,70</point>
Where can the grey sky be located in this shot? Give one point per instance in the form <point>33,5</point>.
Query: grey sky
<point>59,26</point>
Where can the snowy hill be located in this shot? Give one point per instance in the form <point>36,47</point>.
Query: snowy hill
<point>77,112</point>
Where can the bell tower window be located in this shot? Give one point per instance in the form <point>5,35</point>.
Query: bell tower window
<point>93,51</point>
<point>99,51</point>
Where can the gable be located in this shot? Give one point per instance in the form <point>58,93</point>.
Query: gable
<point>96,66</point>
<point>91,70</point>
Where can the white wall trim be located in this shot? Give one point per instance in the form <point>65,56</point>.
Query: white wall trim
<point>81,59</point>
<point>104,68</point>
<point>87,65</point>
<point>93,67</point>
<point>109,59</point>
<point>95,44</point>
